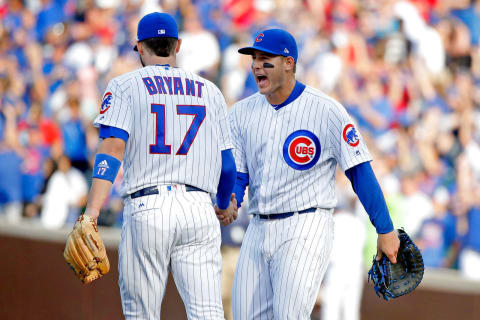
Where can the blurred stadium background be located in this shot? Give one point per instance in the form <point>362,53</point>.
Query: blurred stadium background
<point>407,71</point>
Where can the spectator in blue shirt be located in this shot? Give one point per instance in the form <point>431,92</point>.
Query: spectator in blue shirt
<point>10,184</point>
<point>469,259</point>
<point>438,233</point>
<point>74,136</point>
<point>50,14</point>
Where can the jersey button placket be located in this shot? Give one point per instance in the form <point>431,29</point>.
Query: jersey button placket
<point>266,157</point>
<point>277,156</point>
<point>267,175</point>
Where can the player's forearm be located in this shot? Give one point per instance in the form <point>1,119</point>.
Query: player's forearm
<point>107,163</point>
<point>368,190</point>
<point>227,179</point>
<point>240,185</point>
<point>97,196</point>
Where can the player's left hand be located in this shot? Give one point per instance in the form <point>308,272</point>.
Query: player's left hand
<point>389,245</point>
<point>85,251</point>
<point>228,215</point>
<point>92,213</point>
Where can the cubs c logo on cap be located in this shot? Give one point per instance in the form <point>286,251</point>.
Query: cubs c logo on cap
<point>301,150</point>
<point>106,103</point>
<point>259,37</point>
<point>350,135</point>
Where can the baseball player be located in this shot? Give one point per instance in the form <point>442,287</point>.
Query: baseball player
<point>171,130</point>
<point>288,139</point>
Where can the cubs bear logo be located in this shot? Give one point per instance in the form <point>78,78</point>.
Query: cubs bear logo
<point>350,135</point>
<point>301,150</point>
<point>259,37</point>
<point>106,103</point>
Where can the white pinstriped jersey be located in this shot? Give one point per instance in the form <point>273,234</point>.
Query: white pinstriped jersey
<point>291,153</point>
<point>177,125</point>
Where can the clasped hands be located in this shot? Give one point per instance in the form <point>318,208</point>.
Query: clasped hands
<point>228,215</point>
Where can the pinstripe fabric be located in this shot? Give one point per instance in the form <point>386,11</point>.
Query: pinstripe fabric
<point>175,231</point>
<point>131,110</point>
<point>291,156</point>
<point>258,135</point>
<point>281,265</point>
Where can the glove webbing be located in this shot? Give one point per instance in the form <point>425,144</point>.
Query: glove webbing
<point>378,274</point>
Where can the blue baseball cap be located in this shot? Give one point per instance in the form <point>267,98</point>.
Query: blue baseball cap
<point>156,25</point>
<point>275,41</point>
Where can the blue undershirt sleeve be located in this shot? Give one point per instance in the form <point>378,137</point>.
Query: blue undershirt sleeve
<point>227,179</point>
<point>368,190</point>
<point>240,185</point>
<point>108,132</point>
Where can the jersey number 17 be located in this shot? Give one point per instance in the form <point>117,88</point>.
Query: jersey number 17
<point>160,146</point>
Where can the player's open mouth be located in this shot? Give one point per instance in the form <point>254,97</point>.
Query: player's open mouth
<point>262,80</point>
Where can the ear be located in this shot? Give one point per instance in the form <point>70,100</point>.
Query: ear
<point>289,63</point>
<point>179,43</point>
<point>140,48</point>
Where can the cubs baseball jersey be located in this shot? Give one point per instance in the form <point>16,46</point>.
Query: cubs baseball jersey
<point>177,125</point>
<point>291,153</point>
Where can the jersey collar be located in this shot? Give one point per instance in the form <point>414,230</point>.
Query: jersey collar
<point>296,92</point>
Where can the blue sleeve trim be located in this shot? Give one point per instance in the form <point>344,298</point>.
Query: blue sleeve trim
<point>227,179</point>
<point>108,132</point>
<point>240,186</point>
<point>368,190</point>
<point>106,167</point>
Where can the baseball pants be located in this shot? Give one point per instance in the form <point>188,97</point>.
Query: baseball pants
<point>173,231</point>
<point>281,265</point>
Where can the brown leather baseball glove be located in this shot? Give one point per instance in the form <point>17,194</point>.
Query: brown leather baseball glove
<point>85,252</point>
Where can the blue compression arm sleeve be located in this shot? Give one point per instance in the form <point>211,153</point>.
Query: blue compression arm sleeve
<point>107,132</point>
<point>240,186</point>
<point>227,179</point>
<point>368,190</point>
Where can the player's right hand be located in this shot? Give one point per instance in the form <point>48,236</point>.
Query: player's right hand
<point>389,245</point>
<point>228,215</point>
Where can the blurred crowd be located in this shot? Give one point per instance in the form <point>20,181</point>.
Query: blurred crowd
<point>407,71</point>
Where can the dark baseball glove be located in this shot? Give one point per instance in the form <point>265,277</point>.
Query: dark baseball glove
<point>395,280</point>
<point>85,252</point>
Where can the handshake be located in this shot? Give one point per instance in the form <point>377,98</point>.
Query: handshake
<point>228,215</point>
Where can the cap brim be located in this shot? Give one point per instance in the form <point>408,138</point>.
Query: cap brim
<point>250,50</point>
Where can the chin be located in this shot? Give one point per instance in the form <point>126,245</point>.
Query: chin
<point>264,90</point>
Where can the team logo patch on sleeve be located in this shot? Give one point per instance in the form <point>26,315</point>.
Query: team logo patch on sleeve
<point>106,103</point>
<point>301,150</point>
<point>350,135</point>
